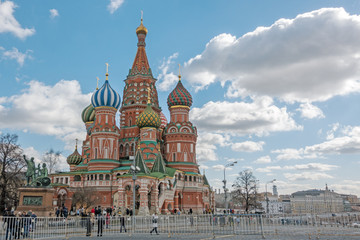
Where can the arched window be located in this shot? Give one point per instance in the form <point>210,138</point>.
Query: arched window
<point>185,178</point>
<point>77,178</point>
<point>133,148</point>
<point>88,177</point>
<point>121,149</point>
<point>194,179</point>
<point>130,121</point>
<point>101,177</point>
<point>95,177</point>
<point>92,177</point>
<point>107,177</point>
<point>190,178</point>
<point>126,150</point>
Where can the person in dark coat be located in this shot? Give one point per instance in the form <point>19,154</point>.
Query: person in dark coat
<point>100,222</point>
<point>11,221</point>
<point>122,223</point>
<point>88,225</point>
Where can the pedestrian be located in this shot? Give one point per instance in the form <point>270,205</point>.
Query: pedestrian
<point>191,211</point>
<point>10,220</point>
<point>100,222</point>
<point>127,211</point>
<point>88,224</point>
<point>18,226</point>
<point>107,219</point>
<point>26,221</point>
<point>57,213</point>
<point>155,219</point>
<point>33,221</point>
<point>122,223</point>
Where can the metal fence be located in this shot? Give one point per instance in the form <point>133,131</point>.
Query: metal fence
<point>265,226</point>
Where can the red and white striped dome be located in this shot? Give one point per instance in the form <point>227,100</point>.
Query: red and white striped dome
<point>163,120</point>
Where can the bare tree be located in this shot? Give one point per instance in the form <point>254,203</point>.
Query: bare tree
<point>245,189</point>
<point>11,166</point>
<point>51,158</point>
<point>84,196</point>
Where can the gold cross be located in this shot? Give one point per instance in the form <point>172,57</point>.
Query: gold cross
<point>97,83</point>
<point>107,67</point>
<point>179,73</point>
<point>76,140</point>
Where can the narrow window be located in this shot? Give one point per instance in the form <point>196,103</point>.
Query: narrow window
<point>179,147</point>
<point>174,157</point>
<point>185,157</point>
<point>167,148</point>
<point>191,148</point>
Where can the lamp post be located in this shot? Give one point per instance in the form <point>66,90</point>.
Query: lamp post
<point>224,181</point>
<point>134,170</point>
<point>266,195</point>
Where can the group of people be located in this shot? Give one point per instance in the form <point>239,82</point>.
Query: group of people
<point>19,225</point>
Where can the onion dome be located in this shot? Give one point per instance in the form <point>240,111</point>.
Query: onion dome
<point>148,118</point>
<point>163,120</point>
<point>141,29</point>
<point>75,158</point>
<point>88,114</point>
<point>106,96</point>
<point>179,96</point>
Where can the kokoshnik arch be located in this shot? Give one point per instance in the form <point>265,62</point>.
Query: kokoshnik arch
<point>165,152</point>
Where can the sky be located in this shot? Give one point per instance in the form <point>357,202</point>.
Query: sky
<point>275,84</point>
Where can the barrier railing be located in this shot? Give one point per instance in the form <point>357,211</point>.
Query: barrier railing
<point>305,225</point>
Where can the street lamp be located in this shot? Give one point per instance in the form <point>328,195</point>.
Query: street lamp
<point>133,171</point>
<point>224,181</point>
<point>266,195</point>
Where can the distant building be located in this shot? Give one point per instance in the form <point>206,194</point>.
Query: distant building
<point>316,201</point>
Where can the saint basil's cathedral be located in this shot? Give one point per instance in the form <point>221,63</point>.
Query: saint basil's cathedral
<point>164,152</point>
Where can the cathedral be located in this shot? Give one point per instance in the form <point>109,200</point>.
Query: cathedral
<point>162,151</point>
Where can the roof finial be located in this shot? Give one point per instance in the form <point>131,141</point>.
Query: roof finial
<point>76,140</point>
<point>142,15</point>
<point>179,73</point>
<point>148,96</point>
<point>97,83</point>
<point>107,71</point>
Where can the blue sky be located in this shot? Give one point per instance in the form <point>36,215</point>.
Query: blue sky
<point>275,83</point>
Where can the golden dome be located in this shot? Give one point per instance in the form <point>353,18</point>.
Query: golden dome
<point>141,28</point>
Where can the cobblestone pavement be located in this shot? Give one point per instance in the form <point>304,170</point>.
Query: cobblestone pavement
<point>239,237</point>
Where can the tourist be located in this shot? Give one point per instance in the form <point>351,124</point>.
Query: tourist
<point>88,224</point>
<point>26,221</point>
<point>100,222</point>
<point>33,221</point>
<point>107,219</point>
<point>127,211</point>
<point>190,211</point>
<point>131,212</point>
<point>57,212</point>
<point>10,220</point>
<point>18,226</point>
<point>155,219</point>
<point>122,223</point>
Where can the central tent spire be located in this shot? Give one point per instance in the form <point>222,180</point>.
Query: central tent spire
<point>141,63</point>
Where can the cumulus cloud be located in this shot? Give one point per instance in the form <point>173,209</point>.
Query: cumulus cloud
<point>114,5</point>
<point>319,167</point>
<point>8,23</point>
<point>258,117</point>
<point>330,134</point>
<point>247,146</point>
<point>48,110</point>
<point>263,159</point>
<point>293,154</point>
<point>167,80</point>
<point>291,59</point>
<point>15,54</point>
<point>310,111</point>
<point>53,13</point>
<point>307,176</point>
<point>268,169</point>
<point>207,145</point>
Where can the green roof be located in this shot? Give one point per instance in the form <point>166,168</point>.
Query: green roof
<point>121,168</point>
<point>139,162</point>
<point>206,182</point>
<point>192,173</point>
<point>159,165</point>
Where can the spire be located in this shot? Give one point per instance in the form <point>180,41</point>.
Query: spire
<point>97,83</point>
<point>141,64</point>
<point>159,164</point>
<point>107,71</point>
<point>139,162</point>
<point>179,73</point>
<point>76,140</point>
<point>149,99</point>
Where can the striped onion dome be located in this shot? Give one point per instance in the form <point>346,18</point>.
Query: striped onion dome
<point>88,114</point>
<point>106,97</point>
<point>163,120</point>
<point>148,118</point>
<point>179,96</point>
<point>75,158</point>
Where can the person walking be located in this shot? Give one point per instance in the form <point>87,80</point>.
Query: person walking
<point>88,224</point>
<point>155,219</point>
<point>100,222</point>
<point>10,220</point>
<point>122,223</point>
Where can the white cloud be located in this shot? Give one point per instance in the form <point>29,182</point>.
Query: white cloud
<point>347,186</point>
<point>16,55</point>
<point>268,169</point>
<point>293,154</point>
<point>48,110</point>
<point>8,23</point>
<point>312,167</point>
<point>263,159</point>
<point>247,146</point>
<point>53,13</point>
<point>114,5</point>
<point>206,145</point>
<point>310,111</point>
<point>167,80</point>
<point>258,117</point>
<point>291,59</point>
<point>330,133</point>
<point>306,176</point>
